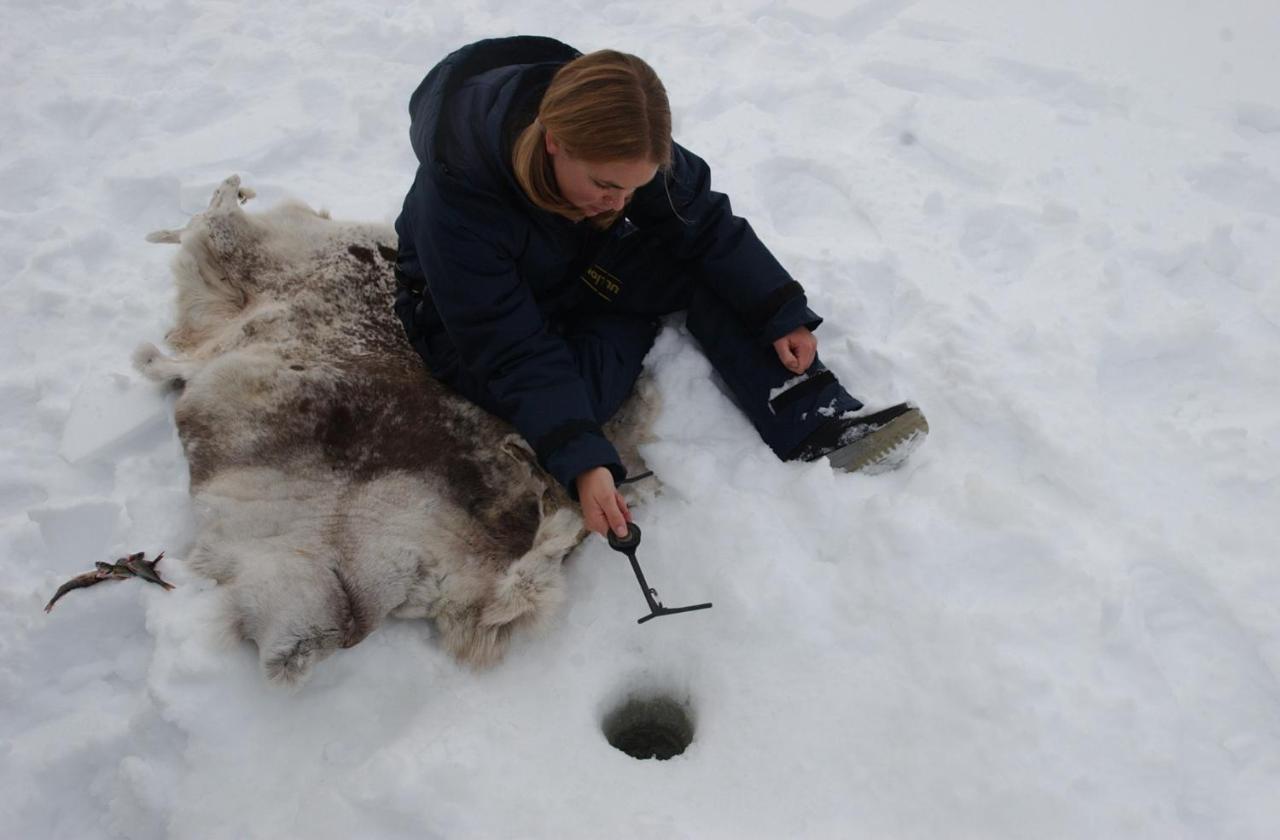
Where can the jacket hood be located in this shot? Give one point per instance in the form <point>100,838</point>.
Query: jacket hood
<point>457,112</point>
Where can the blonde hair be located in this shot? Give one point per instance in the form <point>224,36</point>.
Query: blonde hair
<point>603,107</point>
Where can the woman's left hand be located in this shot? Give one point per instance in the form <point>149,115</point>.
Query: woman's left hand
<point>797,349</point>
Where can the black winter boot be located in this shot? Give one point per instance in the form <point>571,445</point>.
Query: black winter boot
<point>870,443</point>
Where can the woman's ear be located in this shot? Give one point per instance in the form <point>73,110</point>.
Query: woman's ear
<point>553,148</point>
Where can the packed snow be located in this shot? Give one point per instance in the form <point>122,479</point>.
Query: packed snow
<point>1053,226</point>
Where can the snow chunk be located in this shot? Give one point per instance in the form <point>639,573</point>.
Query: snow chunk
<point>76,535</point>
<point>111,414</point>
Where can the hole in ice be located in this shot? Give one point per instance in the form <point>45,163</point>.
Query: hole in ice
<point>649,726</point>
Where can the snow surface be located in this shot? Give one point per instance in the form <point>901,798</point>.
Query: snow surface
<point>1055,226</point>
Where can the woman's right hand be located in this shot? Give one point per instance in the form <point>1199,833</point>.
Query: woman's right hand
<point>602,505</point>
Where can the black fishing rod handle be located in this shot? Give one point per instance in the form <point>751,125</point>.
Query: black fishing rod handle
<point>626,544</point>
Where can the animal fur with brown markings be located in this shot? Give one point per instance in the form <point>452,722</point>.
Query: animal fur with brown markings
<point>335,481</point>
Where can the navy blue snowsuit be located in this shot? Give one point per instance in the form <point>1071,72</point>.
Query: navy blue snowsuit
<point>545,321</point>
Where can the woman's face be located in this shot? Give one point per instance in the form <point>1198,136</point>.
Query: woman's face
<point>596,188</point>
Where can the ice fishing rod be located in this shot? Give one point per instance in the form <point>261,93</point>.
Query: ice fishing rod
<point>627,545</point>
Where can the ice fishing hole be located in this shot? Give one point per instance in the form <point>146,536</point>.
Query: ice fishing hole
<point>649,727</point>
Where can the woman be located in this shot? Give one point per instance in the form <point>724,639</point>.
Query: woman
<point>551,223</point>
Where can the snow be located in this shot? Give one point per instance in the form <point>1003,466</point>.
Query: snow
<point>107,414</point>
<point>1053,227</point>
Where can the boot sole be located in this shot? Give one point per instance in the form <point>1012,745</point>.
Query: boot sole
<point>884,449</point>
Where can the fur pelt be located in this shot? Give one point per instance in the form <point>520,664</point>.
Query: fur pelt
<point>335,481</point>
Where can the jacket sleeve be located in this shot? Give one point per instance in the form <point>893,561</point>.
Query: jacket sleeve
<point>466,249</point>
<point>723,250</point>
